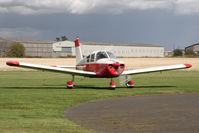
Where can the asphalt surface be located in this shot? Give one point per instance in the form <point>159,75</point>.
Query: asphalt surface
<point>139,114</point>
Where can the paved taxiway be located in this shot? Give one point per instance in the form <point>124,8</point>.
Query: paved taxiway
<point>146,114</point>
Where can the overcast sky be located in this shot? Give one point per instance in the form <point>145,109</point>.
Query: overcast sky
<point>170,23</point>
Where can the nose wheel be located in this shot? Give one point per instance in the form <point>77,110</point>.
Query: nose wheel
<point>112,85</point>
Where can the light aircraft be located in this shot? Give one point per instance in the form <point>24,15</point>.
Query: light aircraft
<point>98,64</point>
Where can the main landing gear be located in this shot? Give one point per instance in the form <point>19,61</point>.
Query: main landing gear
<point>129,84</point>
<point>70,83</point>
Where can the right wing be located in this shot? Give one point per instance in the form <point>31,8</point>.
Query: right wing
<point>156,69</point>
<point>51,68</point>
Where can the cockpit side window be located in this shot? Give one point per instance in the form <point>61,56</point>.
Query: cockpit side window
<point>92,57</point>
<point>101,55</point>
<point>88,58</point>
<point>111,55</point>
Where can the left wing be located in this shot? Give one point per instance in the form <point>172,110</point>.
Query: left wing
<point>156,69</point>
<point>51,68</point>
<point>65,66</point>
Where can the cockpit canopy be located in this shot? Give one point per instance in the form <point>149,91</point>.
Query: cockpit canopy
<point>100,55</point>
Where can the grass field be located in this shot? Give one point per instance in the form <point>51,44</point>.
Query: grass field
<point>33,102</point>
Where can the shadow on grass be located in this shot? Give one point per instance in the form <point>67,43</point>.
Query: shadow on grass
<point>80,87</point>
<point>108,88</point>
<point>158,86</point>
<point>34,87</point>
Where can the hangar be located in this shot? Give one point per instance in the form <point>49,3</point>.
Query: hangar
<point>119,49</point>
<point>194,48</point>
<point>41,48</point>
<point>33,48</point>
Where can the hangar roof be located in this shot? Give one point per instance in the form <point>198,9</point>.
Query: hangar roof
<point>26,40</point>
<point>84,43</point>
<point>192,45</point>
<point>119,44</point>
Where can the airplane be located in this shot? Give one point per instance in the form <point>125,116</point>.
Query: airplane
<point>98,64</point>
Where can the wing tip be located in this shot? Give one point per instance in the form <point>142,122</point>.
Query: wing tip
<point>12,63</point>
<point>188,65</point>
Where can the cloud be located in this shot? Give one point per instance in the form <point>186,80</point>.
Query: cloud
<point>19,32</point>
<point>186,6</point>
<point>27,7</point>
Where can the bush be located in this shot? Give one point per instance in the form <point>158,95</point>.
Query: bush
<point>177,52</point>
<point>15,50</point>
<point>189,52</point>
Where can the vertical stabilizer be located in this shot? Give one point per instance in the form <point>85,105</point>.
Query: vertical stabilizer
<point>78,50</point>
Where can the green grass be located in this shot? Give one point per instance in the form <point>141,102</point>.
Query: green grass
<point>33,102</point>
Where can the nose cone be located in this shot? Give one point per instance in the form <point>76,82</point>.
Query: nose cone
<point>115,69</point>
<point>117,64</point>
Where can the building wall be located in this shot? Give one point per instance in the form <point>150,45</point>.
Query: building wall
<point>3,47</point>
<point>196,48</point>
<point>120,51</point>
<point>34,48</point>
<point>38,50</point>
<point>127,51</point>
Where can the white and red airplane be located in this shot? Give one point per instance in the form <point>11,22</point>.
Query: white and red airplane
<point>99,64</point>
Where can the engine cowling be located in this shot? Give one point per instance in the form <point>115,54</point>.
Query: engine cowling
<point>115,69</point>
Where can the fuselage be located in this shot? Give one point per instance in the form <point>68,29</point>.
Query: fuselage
<point>105,65</point>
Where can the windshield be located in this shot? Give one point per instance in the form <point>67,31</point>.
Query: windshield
<point>111,55</point>
<point>101,55</point>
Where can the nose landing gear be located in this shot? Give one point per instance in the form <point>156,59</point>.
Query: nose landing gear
<point>112,85</point>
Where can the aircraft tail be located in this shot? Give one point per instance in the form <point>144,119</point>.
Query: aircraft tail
<point>78,50</point>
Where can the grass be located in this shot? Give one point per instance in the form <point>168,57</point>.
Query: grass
<point>33,102</point>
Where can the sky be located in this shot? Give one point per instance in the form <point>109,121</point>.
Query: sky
<point>169,23</point>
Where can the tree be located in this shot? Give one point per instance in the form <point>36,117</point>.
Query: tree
<point>189,52</point>
<point>15,50</point>
<point>64,38</point>
<point>177,52</point>
<point>57,39</point>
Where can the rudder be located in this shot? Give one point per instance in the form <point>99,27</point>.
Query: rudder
<point>78,51</point>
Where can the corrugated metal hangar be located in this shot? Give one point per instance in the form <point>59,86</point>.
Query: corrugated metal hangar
<point>37,48</point>
<point>194,48</point>
<point>119,49</point>
<point>33,48</point>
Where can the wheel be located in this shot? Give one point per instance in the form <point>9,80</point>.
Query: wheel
<point>130,84</point>
<point>69,84</point>
<point>112,85</point>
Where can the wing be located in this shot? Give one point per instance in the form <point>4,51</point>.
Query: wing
<point>155,69</point>
<point>51,68</point>
<point>65,66</point>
